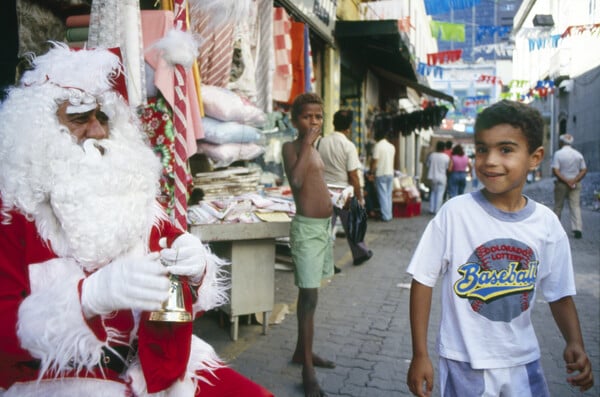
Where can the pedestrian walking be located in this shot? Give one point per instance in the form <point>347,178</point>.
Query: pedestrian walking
<point>382,168</point>
<point>310,238</point>
<point>495,250</point>
<point>457,180</point>
<point>438,164</point>
<point>342,167</point>
<point>568,166</point>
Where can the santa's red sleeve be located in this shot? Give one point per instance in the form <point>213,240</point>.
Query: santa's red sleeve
<point>20,245</point>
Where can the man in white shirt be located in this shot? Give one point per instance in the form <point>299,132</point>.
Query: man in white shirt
<point>382,166</point>
<point>568,166</point>
<point>342,167</point>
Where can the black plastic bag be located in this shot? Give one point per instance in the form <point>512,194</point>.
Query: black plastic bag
<point>357,221</point>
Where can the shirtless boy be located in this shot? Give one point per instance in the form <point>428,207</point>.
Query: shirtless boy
<point>310,240</point>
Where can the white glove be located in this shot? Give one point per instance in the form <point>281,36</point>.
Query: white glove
<point>140,283</point>
<point>186,257</point>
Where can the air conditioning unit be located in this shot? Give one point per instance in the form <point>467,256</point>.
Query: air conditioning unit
<point>543,20</point>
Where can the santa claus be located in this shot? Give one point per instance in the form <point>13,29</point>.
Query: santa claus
<point>83,247</point>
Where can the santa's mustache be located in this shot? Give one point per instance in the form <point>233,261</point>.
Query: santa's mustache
<point>94,148</point>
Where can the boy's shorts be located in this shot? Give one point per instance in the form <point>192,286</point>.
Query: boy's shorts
<point>312,250</point>
<point>458,379</point>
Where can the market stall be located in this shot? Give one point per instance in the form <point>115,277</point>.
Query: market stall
<point>250,249</point>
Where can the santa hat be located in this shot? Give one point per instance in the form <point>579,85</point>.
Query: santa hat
<point>85,74</point>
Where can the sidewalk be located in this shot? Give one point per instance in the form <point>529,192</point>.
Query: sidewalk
<point>362,319</point>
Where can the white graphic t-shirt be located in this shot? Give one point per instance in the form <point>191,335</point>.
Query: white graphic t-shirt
<point>493,264</point>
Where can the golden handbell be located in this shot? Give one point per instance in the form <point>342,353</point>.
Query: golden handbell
<point>173,309</point>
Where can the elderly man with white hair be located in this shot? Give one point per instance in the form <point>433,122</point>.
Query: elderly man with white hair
<point>83,243</point>
<point>568,166</point>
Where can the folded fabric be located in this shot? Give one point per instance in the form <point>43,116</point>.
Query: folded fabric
<point>226,105</point>
<point>228,153</point>
<point>77,34</point>
<point>77,21</point>
<point>219,132</point>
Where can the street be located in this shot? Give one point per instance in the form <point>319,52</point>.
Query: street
<point>362,320</point>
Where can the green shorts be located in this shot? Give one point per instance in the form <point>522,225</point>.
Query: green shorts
<point>312,250</point>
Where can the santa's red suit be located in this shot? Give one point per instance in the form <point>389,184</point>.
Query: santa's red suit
<point>74,213</point>
<point>22,251</point>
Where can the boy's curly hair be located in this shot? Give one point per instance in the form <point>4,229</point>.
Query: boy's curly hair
<point>516,114</point>
<point>304,99</point>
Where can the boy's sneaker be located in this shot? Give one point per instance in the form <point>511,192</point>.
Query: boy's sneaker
<point>577,234</point>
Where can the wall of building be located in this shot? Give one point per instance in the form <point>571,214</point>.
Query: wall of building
<point>583,116</point>
<point>573,107</point>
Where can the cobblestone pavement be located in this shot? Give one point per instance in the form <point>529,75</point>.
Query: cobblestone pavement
<point>362,317</point>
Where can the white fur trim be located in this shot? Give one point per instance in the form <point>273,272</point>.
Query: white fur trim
<point>91,72</point>
<point>88,387</point>
<point>202,358</point>
<point>51,325</point>
<point>178,48</point>
<point>212,292</point>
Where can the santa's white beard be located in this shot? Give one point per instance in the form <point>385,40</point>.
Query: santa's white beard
<point>100,205</point>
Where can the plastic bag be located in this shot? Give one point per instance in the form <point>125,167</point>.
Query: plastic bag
<point>357,221</point>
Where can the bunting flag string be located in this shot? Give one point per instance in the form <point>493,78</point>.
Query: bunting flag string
<point>484,78</point>
<point>426,70</point>
<point>444,57</point>
<point>520,91</point>
<point>433,7</point>
<point>484,31</point>
<point>517,84</point>
<point>447,31</point>
<point>500,49</point>
<point>580,29</point>
<point>472,101</point>
<point>543,42</point>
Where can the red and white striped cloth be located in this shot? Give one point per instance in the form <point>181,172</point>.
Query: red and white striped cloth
<point>180,126</point>
<point>282,78</point>
<point>216,49</point>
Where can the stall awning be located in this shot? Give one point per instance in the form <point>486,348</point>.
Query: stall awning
<point>413,84</point>
<point>379,45</point>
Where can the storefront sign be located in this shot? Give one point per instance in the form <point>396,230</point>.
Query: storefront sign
<point>319,14</point>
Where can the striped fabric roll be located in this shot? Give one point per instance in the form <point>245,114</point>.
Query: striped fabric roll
<point>265,61</point>
<point>216,50</point>
<point>282,79</point>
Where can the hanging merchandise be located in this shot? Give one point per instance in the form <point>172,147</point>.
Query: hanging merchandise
<point>179,50</point>
<point>309,73</point>
<point>298,59</point>
<point>265,61</point>
<point>407,123</point>
<point>118,23</point>
<point>282,79</point>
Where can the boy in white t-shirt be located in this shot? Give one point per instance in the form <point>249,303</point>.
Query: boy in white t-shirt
<point>495,250</point>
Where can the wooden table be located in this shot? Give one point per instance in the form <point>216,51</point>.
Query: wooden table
<point>250,249</point>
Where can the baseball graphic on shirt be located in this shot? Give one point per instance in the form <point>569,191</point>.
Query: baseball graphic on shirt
<point>499,279</point>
